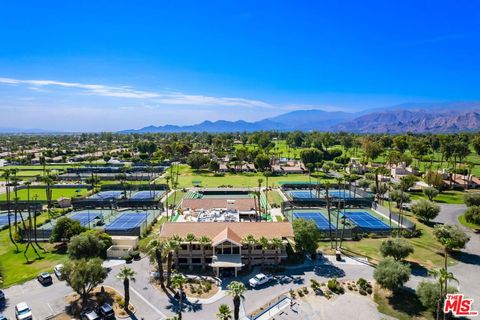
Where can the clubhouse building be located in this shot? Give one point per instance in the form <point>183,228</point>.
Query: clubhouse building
<point>227,249</point>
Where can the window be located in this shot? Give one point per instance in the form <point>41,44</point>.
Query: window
<point>184,247</point>
<point>182,260</point>
<point>208,260</point>
<point>236,250</point>
<point>227,250</point>
<point>196,260</point>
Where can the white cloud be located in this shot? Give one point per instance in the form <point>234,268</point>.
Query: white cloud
<point>175,98</point>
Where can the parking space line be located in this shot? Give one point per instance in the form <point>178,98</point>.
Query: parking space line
<point>148,303</point>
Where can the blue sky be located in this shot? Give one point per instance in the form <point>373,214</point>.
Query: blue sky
<point>109,65</point>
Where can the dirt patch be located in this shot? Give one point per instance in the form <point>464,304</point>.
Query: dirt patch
<point>98,297</point>
<point>196,288</point>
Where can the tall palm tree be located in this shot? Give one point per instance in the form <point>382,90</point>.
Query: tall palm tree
<point>224,312</point>
<point>126,275</point>
<point>171,247</point>
<point>236,290</point>
<point>155,252</point>
<point>178,281</point>
<point>6,175</point>
<point>251,242</point>
<point>327,187</point>
<point>204,241</point>
<point>276,244</point>
<point>265,244</point>
<point>443,276</point>
<point>190,238</point>
<point>260,181</point>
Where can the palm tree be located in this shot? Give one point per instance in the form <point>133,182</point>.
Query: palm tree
<point>204,241</point>
<point>224,312</point>
<point>6,175</point>
<point>236,290</point>
<point>155,252</point>
<point>443,277</point>
<point>178,281</point>
<point>327,186</point>
<point>277,245</point>
<point>171,247</point>
<point>260,181</point>
<point>265,244</point>
<point>251,242</point>
<point>190,238</point>
<point>126,275</point>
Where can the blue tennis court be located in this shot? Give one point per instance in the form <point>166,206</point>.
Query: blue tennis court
<point>341,194</point>
<point>303,195</point>
<point>107,195</point>
<point>86,217</point>
<point>127,221</point>
<point>321,222</point>
<point>365,220</point>
<point>147,195</point>
<point>4,220</point>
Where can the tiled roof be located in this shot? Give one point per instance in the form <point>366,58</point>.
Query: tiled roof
<point>268,230</point>
<point>241,204</point>
<point>226,234</point>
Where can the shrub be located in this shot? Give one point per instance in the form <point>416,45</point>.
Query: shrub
<point>391,274</point>
<point>362,292</point>
<point>472,214</point>
<point>425,210</point>
<point>396,248</point>
<point>429,292</point>
<point>208,286</point>
<point>472,199</point>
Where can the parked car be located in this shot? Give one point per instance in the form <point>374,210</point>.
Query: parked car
<point>2,317</point>
<point>259,279</point>
<point>23,311</point>
<point>45,278</point>
<point>58,270</point>
<point>106,311</point>
<point>2,295</point>
<point>89,315</point>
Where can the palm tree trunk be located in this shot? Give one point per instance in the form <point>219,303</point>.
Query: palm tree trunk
<point>169,269</point>
<point>10,235</point>
<point>236,308</point>
<point>126,287</point>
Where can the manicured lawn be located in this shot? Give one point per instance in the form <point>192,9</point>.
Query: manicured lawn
<point>41,194</point>
<point>17,270</point>
<point>274,198</point>
<point>449,197</point>
<point>176,197</point>
<point>142,244</point>
<point>248,180</point>
<point>467,224</point>
<point>428,252</point>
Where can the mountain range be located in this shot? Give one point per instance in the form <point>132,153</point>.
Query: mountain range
<point>409,117</point>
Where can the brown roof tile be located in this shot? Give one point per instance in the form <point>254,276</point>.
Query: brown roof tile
<point>241,204</point>
<point>268,230</point>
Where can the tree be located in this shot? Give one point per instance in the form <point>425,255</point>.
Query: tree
<point>262,162</point>
<point>429,293</point>
<point>311,155</point>
<point>265,244</point>
<point>65,229</point>
<point>126,275</point>
<point>214,166</point>
<point>396,248</point>
<point>425,210</point>
<point>408,181</point>
<point>84,275</point>
<point>250,241</point>
<point>434,179</point>
<point>178,282</point>
<point>443,277</point>
<point>171,246</point>
<point>197,160</point>
<point>472,199</point>
<point>204,242</point>
<point>89,244</point>
<point>391,274</point>
<point>430,192</point>
<point>155,252</point>
<point>224,312</point>
<point>451,238</point>
<point>472,215</point>
<point>306,235</point>
<point>236,290</point>
<point>398,196</point>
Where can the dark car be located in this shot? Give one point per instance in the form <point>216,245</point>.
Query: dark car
<point>106,311</point>
<point>89,315</point>
<point>2,317</point>
<point>45,278</point>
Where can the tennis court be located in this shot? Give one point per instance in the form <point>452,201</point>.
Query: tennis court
<point>86,217</point>
<point>365,220</point>
<point>340,194</point>
<point>127,221</point>
<point>147,195</point>
<point>4,220</point>
<point>303,195</point>
<point>107,195</point>
<point>321,222</point>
